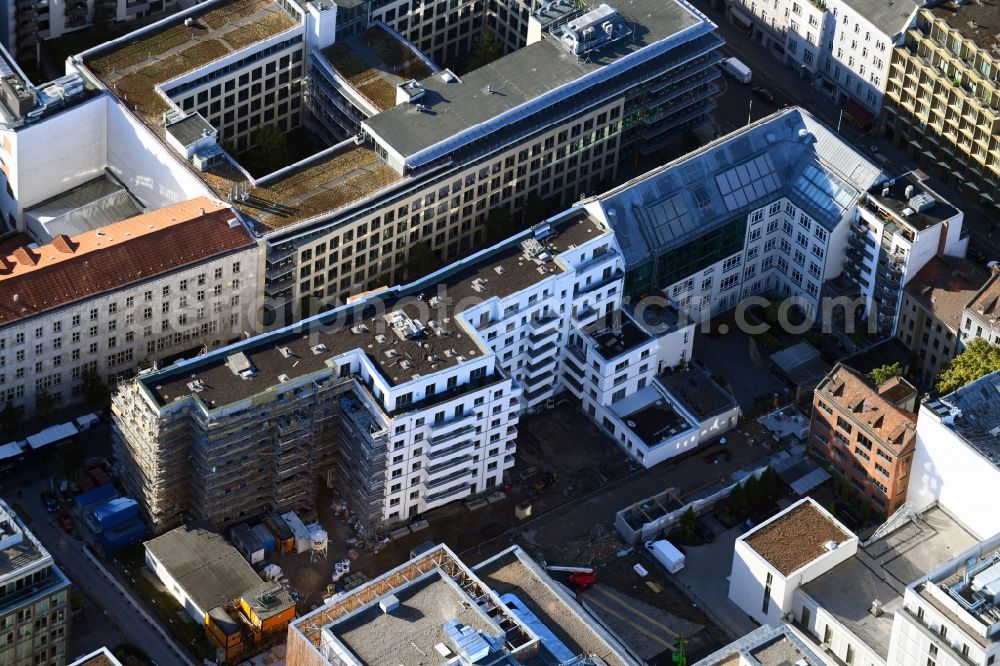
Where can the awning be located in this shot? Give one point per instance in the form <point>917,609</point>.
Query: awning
<point>806,483</point>
<point>929,154</point>
<point>971,184</point>
<point>51,435</point>
<point>986,196</point>
<point>858,114</point>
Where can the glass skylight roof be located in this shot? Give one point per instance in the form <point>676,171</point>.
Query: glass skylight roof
<point>828,192</point>
<point>748,182</point>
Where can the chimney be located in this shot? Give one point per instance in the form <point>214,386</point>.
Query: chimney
<point>63,243</point>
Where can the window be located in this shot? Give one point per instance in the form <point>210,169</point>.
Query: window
<point>766,603</point>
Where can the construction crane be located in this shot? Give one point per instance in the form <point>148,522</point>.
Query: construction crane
<point>579,577</point>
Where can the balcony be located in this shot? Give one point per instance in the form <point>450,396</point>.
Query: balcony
<point>447,464</point>
<point>452,435</point>
<point>454,476</point>
<point>451,450</point>
<point>450,492</point>
<point>544,350</point>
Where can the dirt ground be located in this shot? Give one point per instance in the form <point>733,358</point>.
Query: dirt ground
<point>559,441</point>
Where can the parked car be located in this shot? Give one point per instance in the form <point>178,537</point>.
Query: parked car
<point>65,522</point>
<point>704,532</point>
<point>51,505</point>
<point>764,93</point>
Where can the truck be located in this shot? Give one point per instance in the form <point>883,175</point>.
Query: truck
<point>666,554</point>
<point>735,68</point>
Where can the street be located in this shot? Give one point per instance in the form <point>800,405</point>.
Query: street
<point>120,621</point>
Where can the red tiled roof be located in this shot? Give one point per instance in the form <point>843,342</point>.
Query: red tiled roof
<point>109,258</point>
<point>945,285</point>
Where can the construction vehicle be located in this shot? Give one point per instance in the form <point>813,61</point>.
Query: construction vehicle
<point>579,577</point>
<point>550,480</point>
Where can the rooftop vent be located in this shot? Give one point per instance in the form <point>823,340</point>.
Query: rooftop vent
<point>241,365</point>
<point>404,327</point>
<point>358,329</point>
<point>830,545</point>
<point>285,351</point>
<point>388,603</point>
<point>479,284</point>
<point>197,386</point>
<point>319,349</point>
<point>466,642</point>
<point>921,201</point>
<point>282,378</point>
<point>380,339</point>
<point>499,270</point>
<point>908,192</point>
<point>406,364</point>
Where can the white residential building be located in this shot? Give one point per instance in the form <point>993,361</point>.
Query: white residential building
<point>842,45</point>
<point>958,454</point>
<point>857,602</point>
<point>410,397</point>
<point>108,301</point>
<point>902,226</point>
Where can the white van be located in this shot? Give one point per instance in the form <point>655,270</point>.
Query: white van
<point>736,69</point>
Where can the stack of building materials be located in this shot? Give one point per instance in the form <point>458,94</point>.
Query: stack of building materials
<point>303,541</point>
<point>247,543</point>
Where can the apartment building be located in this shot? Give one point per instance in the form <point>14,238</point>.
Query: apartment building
<point>409,398</point>
<point>979,319</point>
<point>844,46</point>
<point>958,437</point>
<point>25,24</point>
<point>766,209</point>
<point>418,162</point>
<point>908,595</point>
<point>942,100</point>
<point>931,312</point>
<point>866,433</point>
<point>155,286</point>
<point>506,608</point>
<point>902,225</point>
<point>34,598</point>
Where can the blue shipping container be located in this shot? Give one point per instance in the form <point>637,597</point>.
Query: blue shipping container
<point>114,513</point>
<point>123,535</point>
<point>96,496</point>
<point>265,537</point>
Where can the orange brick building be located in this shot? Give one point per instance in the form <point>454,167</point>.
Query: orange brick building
<point>866,433</point>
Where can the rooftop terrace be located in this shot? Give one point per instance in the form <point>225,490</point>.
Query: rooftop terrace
<point>908,201</point>
<point>324,184</point>
<point>796,537</point>
<point>431,340</point>
<point>882,570</point>
<point>650,416</point>
<point>702,396</point>
<point>134,68</point>
<point>976,21</point>
<point>616,334</point>
<point>374,63</point>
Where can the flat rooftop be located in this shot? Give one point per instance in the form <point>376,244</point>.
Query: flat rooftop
<point>975,21</point>
<point>524,75</point>
<point>133,69</point>
<point>978,420</point>
<point>209,570</point>
<point>764,646</point>
<point>921,209</point>
<point>656,420</point>
<point>323,184</point>
<point>440,344</point>
<point>795,537</point>
<point>889,16</point>
<point>513,572</point>
<point>374,63</point>
<point>883,570</point>
<point>416,626</point>
<point>699,393</point>
<point>615,334</point>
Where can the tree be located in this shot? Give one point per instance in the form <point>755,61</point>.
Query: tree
<point>884,373</point>
<point>268,150</point>
<point>10,416</point>
<point>688,523</point>
<point>485,50</point>
<point>69,460</point>
<point>94,389</point>
<point>979,358</point>
<point>499,225</point>
<point>737,501</point>
<point>44,403</point>
<point>755,492</point>
<point>422,260</point>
